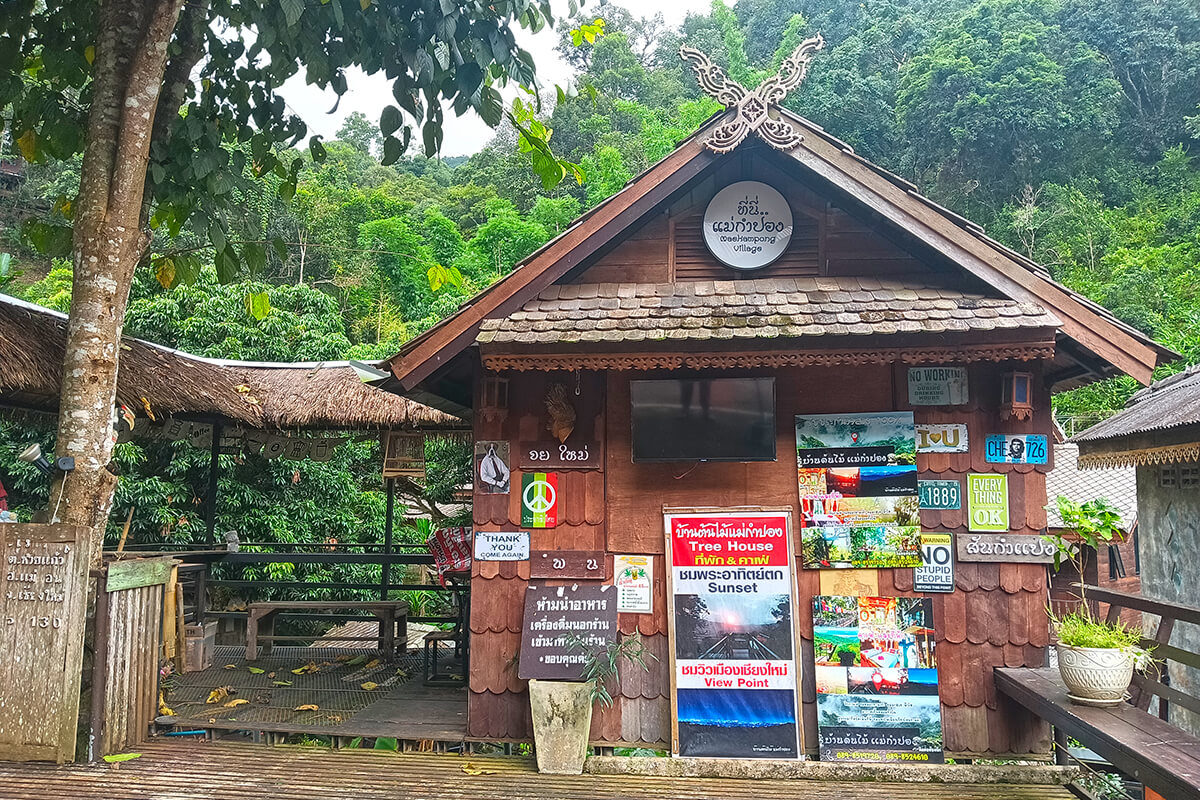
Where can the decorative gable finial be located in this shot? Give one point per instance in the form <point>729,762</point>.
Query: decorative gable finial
<point>753,108</point>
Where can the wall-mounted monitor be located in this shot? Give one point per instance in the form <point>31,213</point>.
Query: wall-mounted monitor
<point>703,419</point>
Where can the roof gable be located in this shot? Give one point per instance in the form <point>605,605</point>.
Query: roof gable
<point>1091,332</point>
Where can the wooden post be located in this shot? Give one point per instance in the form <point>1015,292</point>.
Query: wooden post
<point>99,669</point>
<point>385,572</point>
<point>214,471</point>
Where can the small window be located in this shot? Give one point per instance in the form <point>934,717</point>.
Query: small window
<point>1189,476</point>
<point>1168,476</point>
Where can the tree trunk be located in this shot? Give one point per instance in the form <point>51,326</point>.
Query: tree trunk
<point>109,241</point>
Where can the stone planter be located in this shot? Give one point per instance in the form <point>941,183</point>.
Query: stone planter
<point>562,717</point>
<point>1095,676</point>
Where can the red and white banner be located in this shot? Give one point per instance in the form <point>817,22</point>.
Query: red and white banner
<point>734,650</point>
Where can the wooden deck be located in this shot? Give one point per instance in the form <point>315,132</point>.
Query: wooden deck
<point>196,770</point>
<point>400,706</point>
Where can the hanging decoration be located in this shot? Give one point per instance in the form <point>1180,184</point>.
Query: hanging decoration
<point>757,110</point>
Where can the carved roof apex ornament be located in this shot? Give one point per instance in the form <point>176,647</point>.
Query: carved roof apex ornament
<point>757,111</point>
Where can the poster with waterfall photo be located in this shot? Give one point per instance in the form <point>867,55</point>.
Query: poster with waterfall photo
<point>858,490</point>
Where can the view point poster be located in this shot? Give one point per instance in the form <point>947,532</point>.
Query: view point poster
<point>858,490</point>
<point>734,656</point>
<point>876,676</point>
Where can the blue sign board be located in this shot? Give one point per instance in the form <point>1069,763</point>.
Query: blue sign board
<point>1019,448</point>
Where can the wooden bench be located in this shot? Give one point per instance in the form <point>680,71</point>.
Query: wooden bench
<point>260,621</point>
<point>1160,755</point>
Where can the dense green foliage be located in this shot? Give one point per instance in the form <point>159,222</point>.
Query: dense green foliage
<point>1066,127</point>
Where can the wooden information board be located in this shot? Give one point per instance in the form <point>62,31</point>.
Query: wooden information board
<point>557,616</point>
<point>43,600</point>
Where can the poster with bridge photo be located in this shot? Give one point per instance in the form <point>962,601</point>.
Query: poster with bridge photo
<point>735,656</point>
<point>858,490</point>
<point>876,676</point>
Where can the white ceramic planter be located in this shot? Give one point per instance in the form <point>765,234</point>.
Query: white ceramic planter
<point>1095,676</point>
<point>562,717</point>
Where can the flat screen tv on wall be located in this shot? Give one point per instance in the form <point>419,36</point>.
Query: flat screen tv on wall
<point>703,419</point>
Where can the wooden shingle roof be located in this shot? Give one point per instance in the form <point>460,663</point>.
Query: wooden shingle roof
<point>770,308</point>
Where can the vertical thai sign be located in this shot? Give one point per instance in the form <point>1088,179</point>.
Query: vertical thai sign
<point>876,676</point>
<point>539,500</point>
<point>733,654</point>
<point>43,594</point>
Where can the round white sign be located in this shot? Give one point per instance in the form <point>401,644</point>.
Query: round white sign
<point>747,225</point>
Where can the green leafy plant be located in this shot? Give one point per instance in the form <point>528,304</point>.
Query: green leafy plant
<point>1094,523</point>
<point>600,663</point>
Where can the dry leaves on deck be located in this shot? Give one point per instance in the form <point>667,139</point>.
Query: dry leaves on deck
<point>370,686</point>
<point>307,669</point>
<point>307,707</point>
<point>218,694</point>
<point>241,701</point>
<point>471,769</point>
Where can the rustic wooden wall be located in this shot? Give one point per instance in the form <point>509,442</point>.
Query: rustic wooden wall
<point>827,240</point>
<point>995,617</point>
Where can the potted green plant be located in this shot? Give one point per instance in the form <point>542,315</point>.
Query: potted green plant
<point>1095,658</point>
<point>562,710</point>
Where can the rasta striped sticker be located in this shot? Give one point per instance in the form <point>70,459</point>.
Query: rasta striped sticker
<point>539,500</point>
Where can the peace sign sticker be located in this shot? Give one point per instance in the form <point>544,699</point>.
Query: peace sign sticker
<point>539,499</point>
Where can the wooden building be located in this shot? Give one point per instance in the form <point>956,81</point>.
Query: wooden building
<point>1158,435</point>
<point>874,279</point>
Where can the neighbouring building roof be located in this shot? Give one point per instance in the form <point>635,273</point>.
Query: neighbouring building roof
<point>753,309</point>
<point>1159,424</point>
<point>1118,486</point>
<point>278,396</point>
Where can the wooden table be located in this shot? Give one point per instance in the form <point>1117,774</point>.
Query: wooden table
<point>1160,755</point>
<point>261,617</point>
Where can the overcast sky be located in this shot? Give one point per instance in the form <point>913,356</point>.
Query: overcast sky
<point>466,134</point>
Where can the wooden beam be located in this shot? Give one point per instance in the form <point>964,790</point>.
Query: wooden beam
<point>550,263</point>
<point>934,229</point>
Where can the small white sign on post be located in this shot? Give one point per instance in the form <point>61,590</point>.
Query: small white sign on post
<point>936,573</point>
<point>937,386</point>
<point>501,545</point>
<point>634,578</point>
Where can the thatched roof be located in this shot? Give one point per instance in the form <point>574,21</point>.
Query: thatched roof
<point>274,396</point>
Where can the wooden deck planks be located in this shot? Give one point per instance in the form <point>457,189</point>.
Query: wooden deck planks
<point>1144,747</point>
<point>192,770</point>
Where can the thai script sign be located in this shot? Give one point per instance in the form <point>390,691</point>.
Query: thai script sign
<point>634,578</point>
<point>1008,448</point>
<point>994,547</point>
<point>562,624</point>
<point>876,678</point>
<point>987,502</point>
<point>501,545</point>
<point>747,225</point>
<point>858,490</point>
<point>936,573</point>
<point>937,386</point>
<point>43,594</point>
<point>734,656</point>
<point>584,564</point>
<point>933,438</point>
<point>554,455</point>
<point>939,494</point>
<point>539,500</point>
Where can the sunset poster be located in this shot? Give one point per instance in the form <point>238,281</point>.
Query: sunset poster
<point>734,653</point>
<point>857,475</point>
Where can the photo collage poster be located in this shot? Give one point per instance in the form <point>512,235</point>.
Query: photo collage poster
<point>858,490</point>
<point>734,646</point>
<point>876,676</point>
